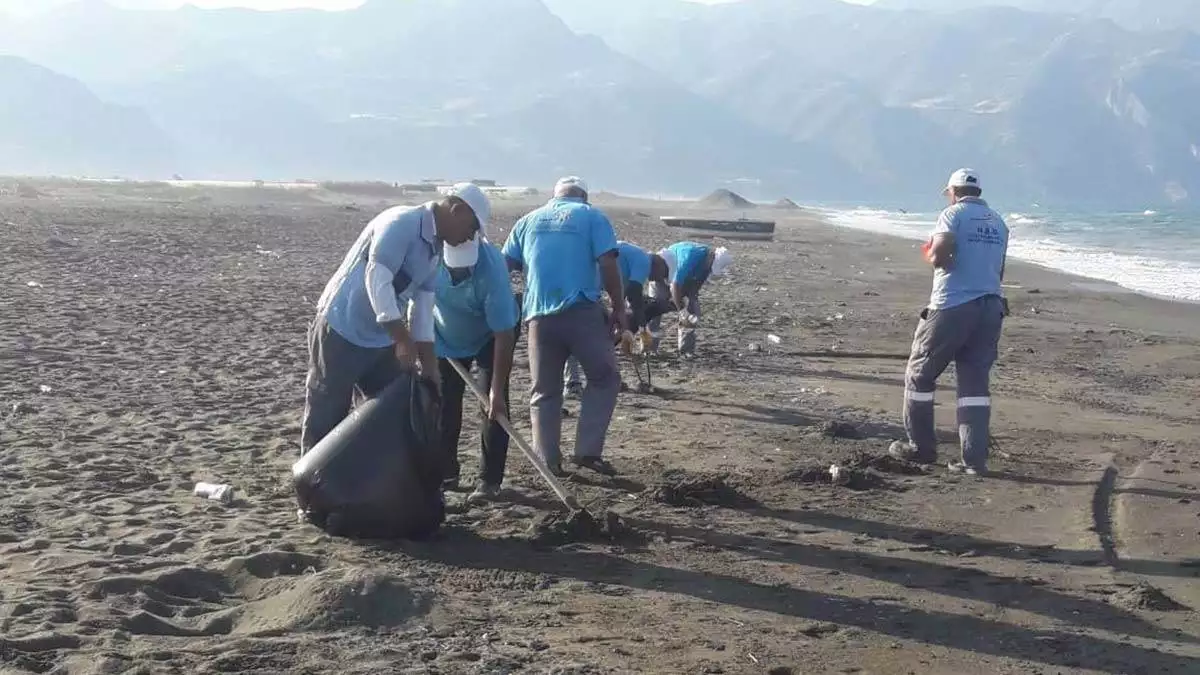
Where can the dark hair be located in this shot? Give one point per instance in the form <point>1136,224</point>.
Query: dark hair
<point>967,191</point>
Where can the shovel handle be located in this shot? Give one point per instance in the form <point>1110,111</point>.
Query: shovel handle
<point>526,449</point>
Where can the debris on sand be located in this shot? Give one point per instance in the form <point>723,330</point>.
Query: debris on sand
<point>886,464</point>
<point>854,478</point>
<point>725,199</point>
<point>1145,597</point>
<point>680,488</point>
<point>559,529</point>
<point>839,429</point>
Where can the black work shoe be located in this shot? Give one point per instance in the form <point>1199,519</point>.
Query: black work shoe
<point>596,464</point>
<point>557,470</point>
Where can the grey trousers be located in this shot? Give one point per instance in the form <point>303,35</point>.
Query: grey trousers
<point>687,335</point>
<point>580,332</point>
<point>337,369</point>
<point>969,336</point>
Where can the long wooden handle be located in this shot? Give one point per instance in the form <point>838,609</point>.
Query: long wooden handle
<point>532,456</point>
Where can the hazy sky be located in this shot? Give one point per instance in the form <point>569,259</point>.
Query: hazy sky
<point>287,4</point>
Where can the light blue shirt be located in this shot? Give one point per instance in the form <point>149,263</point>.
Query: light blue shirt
<point>634,263</point>
<point>980,249</point>
<point>466,315</point>
<point>558,246</point>
<point>689,262</point>
<point>404,240</point>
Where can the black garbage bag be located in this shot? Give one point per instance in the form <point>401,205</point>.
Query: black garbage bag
<point>378,474</point>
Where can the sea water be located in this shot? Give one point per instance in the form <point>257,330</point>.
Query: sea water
<point>1156,252</point>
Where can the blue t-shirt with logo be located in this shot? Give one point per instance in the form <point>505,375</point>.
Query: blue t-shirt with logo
<point>467,314</point>
<point>980,249</point>
<point>558,246</point>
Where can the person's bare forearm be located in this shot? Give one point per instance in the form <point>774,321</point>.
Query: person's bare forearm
<point>502,360</point>
<point>610,274</point>
<point>677,296</point>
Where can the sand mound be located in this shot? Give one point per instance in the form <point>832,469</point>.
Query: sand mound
<point>1145,597</point>
<point>560,529</point>
<point>680,488</point>
<point>264,594</point>
<point>725,199</point>
<point>850,477</point>
<point>788,204</point>
<point>886,464</point>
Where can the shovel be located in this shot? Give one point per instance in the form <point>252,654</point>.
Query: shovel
<point>559,491</point>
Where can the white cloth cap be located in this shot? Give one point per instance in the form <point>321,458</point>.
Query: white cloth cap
<point>465,254</point>
<point>475,198</point>
<point>722,259</point>
<point>963,178</point>
<point>567,182</point>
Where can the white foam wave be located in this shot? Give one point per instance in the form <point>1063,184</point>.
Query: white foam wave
<point>1021,219</point>
<point>1139,271</point>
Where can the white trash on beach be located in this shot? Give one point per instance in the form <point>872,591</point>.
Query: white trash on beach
<point>33,284</point>
<point>774,339</point>
<point>217,492</point>
<point>45,389</point>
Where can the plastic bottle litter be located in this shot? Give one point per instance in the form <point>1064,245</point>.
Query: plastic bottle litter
<point>774,339</point>
<point>217,492</point>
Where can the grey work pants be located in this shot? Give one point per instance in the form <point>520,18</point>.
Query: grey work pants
<point>581,332</point>
<point>969,336</point>
<point>661,292</point>
<point>337,369</point>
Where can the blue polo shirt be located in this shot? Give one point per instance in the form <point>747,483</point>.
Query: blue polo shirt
<point>634,263</point>
<point>402,239</point>
<point>689,262</point>
<point>980,248</point>
<point>467,314</point>
<point>558,246</point>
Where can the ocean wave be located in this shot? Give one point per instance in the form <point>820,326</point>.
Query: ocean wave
<point>1021,219</point>
<point>1140,270</point>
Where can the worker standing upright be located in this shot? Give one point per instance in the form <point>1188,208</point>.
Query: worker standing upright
<point>968,250</point>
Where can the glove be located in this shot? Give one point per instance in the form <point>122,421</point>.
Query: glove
<point>645,340</point>
<point>626,343</point>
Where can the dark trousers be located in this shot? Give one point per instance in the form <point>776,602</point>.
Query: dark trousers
<point>337,369</point>
<point>493,440</point>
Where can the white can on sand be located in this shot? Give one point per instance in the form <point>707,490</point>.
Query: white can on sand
<point>215,491</point>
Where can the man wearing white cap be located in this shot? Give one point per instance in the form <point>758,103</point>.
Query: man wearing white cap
<point>359,340</point>
<point>689,266</point>
<point>475,319</point>
<point>968,250</point>
<point>567,250</point>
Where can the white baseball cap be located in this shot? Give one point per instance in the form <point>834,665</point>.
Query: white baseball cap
<point>475,198</point>
<point>963,178</point>
<point>466,254</point>
<point>722,259</point>
<point>567,182</point>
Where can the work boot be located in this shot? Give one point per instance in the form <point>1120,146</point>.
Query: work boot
<point>557,470</point>
<point>484,493</point>
<point>960,467</point>
<point>596,464</point>
<point>907,452</point>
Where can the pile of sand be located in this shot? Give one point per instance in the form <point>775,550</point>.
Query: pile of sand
<point>788,204</point>
<point>725,199</point>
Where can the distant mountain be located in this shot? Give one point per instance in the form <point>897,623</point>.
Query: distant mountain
<point>1136,14</point>
<point>1054,108</point>
<point>815,99</point>
<point>383,92</point>
<point>51,124</point>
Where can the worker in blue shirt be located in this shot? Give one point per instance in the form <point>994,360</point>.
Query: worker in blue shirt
<point>359,339</point>
<point>638,268</point>
<point>475,319</point>
<point>567,251</point>
<point>689,265</point>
